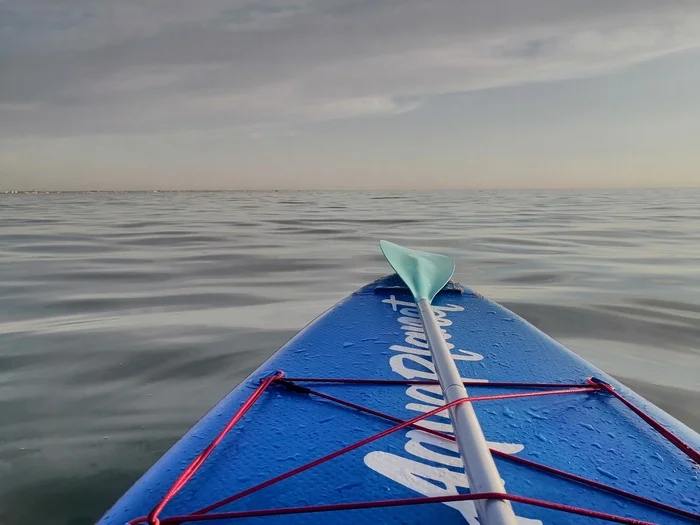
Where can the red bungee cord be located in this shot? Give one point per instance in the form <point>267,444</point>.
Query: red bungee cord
<point>592,385</point>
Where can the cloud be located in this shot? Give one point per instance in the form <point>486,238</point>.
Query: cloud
<point>80,67</point>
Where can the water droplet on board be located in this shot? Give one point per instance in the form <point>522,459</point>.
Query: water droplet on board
<point>348,486</point>
<point>606,473</point>
<point>672,481</point>
<point>587,426</point>
<point>535,415</point>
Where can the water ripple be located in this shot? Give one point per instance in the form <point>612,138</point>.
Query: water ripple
<point>126,316</point>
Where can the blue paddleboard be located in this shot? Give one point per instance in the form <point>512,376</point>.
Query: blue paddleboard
<point>376,334</point>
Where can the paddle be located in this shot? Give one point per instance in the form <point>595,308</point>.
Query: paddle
<point>426,274</point>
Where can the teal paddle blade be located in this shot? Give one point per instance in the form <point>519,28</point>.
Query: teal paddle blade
<point>424,273</point>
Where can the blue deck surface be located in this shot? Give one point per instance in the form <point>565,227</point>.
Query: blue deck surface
<point>375,333</point>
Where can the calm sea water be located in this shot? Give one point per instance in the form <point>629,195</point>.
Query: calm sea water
<point>125,316</point>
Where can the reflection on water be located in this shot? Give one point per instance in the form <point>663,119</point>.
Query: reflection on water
<point>124,317</point>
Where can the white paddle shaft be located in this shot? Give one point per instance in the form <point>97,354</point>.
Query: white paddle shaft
<point>478,463</point>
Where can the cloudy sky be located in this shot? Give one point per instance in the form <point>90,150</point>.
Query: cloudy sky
<point>140,94</point>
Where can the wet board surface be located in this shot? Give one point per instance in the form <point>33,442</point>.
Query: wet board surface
<point>375,334</point>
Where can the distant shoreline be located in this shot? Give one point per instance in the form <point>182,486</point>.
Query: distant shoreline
<point>335,190</point>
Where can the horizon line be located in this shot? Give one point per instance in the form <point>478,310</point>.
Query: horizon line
<point>373,190</point>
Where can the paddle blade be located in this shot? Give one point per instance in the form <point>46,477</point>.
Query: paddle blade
<point>424,273</point>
